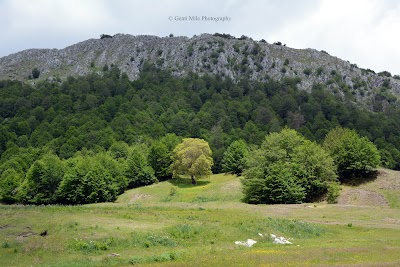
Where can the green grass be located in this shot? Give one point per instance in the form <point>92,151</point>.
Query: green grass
<point>393,198</point>
<point>176,224</point>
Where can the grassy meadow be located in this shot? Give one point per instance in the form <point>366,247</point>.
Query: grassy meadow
<point>174,223</point>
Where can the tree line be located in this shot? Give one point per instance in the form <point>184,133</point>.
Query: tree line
<point>77,123</point>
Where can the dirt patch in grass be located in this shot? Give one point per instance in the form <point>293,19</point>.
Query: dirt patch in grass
<point>137,197</point>
<point>4,226</point>
<point>234,185</point>
<point>361,197</point>
<point>388,179</point>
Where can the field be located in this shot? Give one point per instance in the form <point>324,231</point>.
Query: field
<point>176,224</point>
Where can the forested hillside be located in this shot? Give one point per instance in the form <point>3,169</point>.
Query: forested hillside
<point>97,121</point>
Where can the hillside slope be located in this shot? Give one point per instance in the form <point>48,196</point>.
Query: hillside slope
<point>220,55</point>
<point>384,191</point>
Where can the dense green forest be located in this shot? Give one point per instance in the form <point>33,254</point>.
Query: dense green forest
<point>106,125</point>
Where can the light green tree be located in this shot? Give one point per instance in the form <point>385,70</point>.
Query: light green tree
<point>192,157</point>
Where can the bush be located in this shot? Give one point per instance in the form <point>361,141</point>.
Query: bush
<point>333,193</point>
<point>35,73</point>
<point>354,156</point>
<point>307,71</point>
<point>320,70</point>
<point>287,168</point>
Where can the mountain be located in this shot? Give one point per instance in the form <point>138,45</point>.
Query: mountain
<point>109,112</point>
<point>218,54</point>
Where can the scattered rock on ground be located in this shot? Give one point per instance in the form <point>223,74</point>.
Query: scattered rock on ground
<point>113,255</point>
<point>280,240</point>
<point>249,243</point>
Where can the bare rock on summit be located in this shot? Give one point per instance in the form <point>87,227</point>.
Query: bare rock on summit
<point>217,54</point>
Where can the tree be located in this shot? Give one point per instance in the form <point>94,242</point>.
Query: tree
<point>276,186</point>
<point>9,182</point>
<point>86,180</point>
<point>138,171</point>
<point>160,156</point>
<point>160,160</point>
<point>42,181</point>
<point>192,157</point>
<point>234,160</point>
<point>287,168</point>
<point>354,156</point>
<point>119,150</point>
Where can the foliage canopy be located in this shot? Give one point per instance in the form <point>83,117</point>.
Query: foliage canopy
<point>287,168</point>
<point>234,160</point>
<point>354,156</point>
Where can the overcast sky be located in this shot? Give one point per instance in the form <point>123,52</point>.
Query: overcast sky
<point>365,32</point>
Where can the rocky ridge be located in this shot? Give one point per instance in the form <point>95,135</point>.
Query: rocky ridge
<point>204,54</point>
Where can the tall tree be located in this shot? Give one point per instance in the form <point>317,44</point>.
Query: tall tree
<point>234,160</point>
<point>160,156</point>
<point>138,171</point>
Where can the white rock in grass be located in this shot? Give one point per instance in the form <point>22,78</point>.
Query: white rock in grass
<point>249,243</point>
<point>280,240</point>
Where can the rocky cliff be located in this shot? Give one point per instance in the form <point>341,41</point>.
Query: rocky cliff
<point>212,54</point>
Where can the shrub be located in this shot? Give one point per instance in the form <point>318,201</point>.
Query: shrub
<point>105,36</point>
<point>35,73</point>
<point>307,71</point>
<point>385,74</point>
<point>333,193</point>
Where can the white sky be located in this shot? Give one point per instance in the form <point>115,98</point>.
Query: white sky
<point>365,32</point>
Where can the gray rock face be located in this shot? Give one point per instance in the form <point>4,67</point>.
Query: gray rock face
<point>204,54</point>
